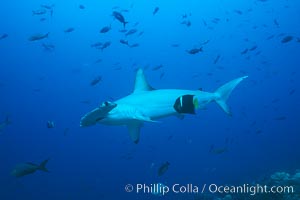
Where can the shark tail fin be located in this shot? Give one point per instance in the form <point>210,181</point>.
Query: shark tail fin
<point>42,166</point>
<point>223,92</point>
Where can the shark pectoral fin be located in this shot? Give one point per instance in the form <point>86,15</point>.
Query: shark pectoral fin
<point>134,131</point>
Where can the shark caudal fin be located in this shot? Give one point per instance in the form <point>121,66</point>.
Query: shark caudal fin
<point>42,166</point>
<point>223,92</point>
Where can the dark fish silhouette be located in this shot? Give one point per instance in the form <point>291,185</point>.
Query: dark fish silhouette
<point>276,22</point>
<point>238,12</point>
<point>280,118</point>
<point>49,7</point>
<point>96,80</point>
<point>155,10</point>
<point>287,39</point>
<point>4,123</point>
<point>141,33</point>
<point>48,47</point>
<point>66,130</point>
<point>131,31</point>
<point>124,42</point>
<point>292,92</point>
<point>105,29</point>
<point>117,68</point>
<point>69,30</point>
<point>187,23</point>
<point>24,169</point>
<point>119,17</point>
<point>157,67</point>
<point>215,20</point>
<point>205,42</point>
<point>3,36</point>
<point>38,37</point>
<point>51,12</point>
<point>215,150</point>
<point>253,48</point>
<point>134,45</point>
<point>98,61</point>
<point>96,45</point>
<point>217,59</point>
<point>175,45</point>
<point>39,12</point>
<point>81,7</point>
<point>244,51</point>
<point>163,168</point>
<point>270,37</point>
<point>50,124</point>
<point>162,75</point>
<point>194,51</point>
<point>257,53</point>
<point>105,45</point>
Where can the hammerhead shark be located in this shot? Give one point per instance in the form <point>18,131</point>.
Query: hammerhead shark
<point>146,104</point>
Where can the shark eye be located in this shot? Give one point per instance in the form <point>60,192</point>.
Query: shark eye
<point>105,103</point>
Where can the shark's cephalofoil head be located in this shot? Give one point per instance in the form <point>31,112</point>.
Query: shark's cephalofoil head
<point>97,114</point>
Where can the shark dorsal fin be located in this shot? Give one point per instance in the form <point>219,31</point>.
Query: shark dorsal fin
<point>141,83</point>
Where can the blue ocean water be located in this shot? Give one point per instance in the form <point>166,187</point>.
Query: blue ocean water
<point>55,79</point>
